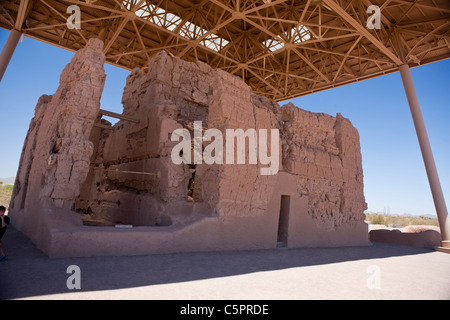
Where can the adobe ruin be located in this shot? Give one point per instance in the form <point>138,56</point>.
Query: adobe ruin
<point>80,177</point>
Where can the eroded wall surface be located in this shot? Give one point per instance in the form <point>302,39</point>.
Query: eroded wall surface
<point>124,173</point>
<point>324,154</point>
<point>321,151</point>
<point>171,95</point>
<point>57,150</point>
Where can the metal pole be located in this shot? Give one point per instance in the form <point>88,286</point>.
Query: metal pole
<point>8,50</point>
<point>428,159</point>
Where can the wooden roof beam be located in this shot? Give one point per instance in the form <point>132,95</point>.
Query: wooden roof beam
<point>362,30</point>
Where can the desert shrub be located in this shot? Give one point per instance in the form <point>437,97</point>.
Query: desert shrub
<point>8,187</point>
<point>375,218</point>
<point>400,221</point>
<point>5,194</point>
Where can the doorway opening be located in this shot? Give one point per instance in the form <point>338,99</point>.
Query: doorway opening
<point>283,222</point>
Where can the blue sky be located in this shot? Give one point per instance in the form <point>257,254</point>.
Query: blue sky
<point>394,175</point>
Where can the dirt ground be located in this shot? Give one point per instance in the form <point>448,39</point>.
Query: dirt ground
<point>380,271</point>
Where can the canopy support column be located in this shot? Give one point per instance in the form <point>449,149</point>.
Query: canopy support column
<point>428,159</point>
<point>8,50</point>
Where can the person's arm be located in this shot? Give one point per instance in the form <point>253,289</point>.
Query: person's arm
<point>5,221</point>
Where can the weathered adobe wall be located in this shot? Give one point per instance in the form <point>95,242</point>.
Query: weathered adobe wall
<point>171,95</point>
<point>323,152</point>
<point>68,164</point>
<point>238,189</point>
<point>56,154</point>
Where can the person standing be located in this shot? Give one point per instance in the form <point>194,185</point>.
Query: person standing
<point>4,221</point>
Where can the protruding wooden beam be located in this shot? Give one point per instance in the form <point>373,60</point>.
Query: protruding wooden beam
<point>102,126</point>
<point>118,116</point>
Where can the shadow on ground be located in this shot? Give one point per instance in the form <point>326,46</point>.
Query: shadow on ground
<point>28,272</point>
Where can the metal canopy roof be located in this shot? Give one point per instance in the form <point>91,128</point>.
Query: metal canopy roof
<point>281,48</point>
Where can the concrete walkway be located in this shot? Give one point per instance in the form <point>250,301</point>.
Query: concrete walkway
<point>381,271</point>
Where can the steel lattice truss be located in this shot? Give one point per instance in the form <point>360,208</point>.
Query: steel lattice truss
<point>281,48</point>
